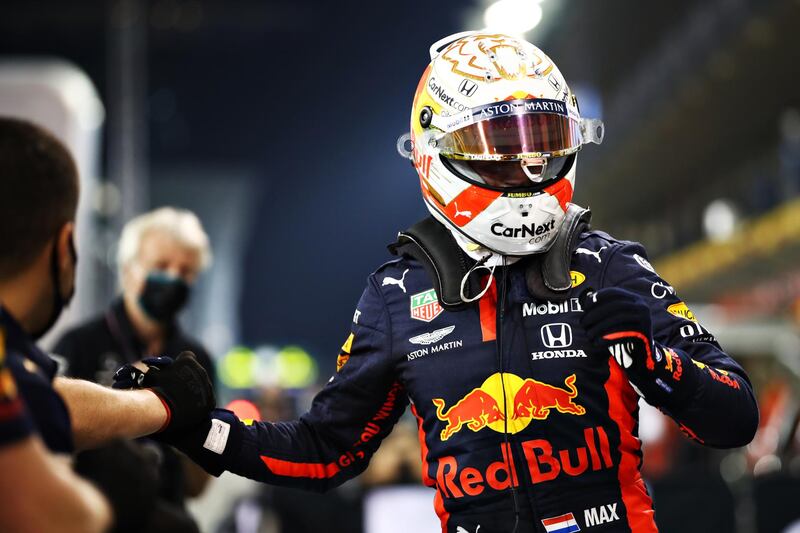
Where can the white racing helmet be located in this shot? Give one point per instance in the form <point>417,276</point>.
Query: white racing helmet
<point>494,131</point>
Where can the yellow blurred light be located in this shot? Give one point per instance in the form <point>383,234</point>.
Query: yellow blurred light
<point>513,16</point>
<point>295,367</point>
<point>237,368</point>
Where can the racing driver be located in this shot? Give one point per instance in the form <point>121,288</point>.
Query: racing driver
<point>521,338</point>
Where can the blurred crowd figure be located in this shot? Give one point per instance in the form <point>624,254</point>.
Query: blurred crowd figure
<point>160,255</point>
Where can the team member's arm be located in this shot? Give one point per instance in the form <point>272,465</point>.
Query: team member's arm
<point>41,493</point>
<point>31,477</point>
<point>673,361</point>
<point>179,396</point>
<point>335,439</point>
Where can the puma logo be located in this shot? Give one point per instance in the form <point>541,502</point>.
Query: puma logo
<point>465,214</point>
<point>586,251</point>
<point>393,281</point>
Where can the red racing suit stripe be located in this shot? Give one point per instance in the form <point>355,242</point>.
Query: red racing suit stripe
<point>280,467</point>
<point>622,402</point>
<point>487,307</point>
<point>438,502</point>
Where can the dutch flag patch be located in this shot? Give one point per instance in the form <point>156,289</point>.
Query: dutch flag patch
<point>561,524</point>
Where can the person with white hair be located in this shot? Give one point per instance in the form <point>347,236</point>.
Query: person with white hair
<point>160,255</point>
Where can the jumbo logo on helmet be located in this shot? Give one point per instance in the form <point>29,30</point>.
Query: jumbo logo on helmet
<point>477,56</point>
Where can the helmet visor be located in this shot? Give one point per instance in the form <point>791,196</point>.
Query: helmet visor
<point>513,129</point>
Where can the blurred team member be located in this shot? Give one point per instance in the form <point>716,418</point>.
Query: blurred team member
<point>32,475</point>
<point>38,200</point>
<point>520,336</point>
<point>37,187</point>
<point>160,255</point>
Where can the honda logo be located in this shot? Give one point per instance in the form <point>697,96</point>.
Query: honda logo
<point>467,87</point>
<point>557,335</point>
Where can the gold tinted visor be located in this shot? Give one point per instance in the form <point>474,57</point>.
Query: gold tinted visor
<point>514,130</point>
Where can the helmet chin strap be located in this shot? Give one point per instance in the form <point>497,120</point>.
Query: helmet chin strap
<point>479,265</point>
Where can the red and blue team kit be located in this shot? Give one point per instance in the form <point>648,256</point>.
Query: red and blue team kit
<point>28,402</point>
<point>523,423</point>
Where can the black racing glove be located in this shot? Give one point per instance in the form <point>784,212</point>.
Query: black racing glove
<point>618,322</point>
<point>212,443</point>
<point>182,385</point>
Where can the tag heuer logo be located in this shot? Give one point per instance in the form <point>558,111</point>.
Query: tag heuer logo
<point>425,306</point>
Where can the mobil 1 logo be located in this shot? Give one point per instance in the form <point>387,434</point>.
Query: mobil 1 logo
<point>571,305</point>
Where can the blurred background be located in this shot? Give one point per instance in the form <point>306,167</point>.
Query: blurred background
<point>276,122</point>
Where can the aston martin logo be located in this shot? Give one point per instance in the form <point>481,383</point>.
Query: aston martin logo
<point>433,336</point>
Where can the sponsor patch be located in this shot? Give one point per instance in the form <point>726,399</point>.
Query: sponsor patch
<point>681,310</point>
<point>696,333</point>
<point>217,437</point>
<point>433,336</point>
<point>524,231</point>
<point>550,308</point>
<point>718,374</point>
<point>467,87</point>
<point>557,354</point>
<point>425,306</point>
<point>644,263</point>
<point>439,92</point>
<point>600,515</point>
<point>661,290</point>
<point>400,282</point>
<point>348,344</point>
<point>576,277</point>
<point>595,254</point>
<point>557,335</point>
<point>344,356</point>
<point>436,348</point>
<point>565,523</point>
<point>525,400</point>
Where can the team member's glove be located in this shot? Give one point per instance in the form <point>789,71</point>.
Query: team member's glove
<point>618,322</point>
<point>182,386</point>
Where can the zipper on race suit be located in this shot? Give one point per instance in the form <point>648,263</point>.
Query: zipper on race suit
<point>501,304</point>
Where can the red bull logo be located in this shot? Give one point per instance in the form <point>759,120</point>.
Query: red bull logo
<point>525,400</point>
<point>535,399</point>
<point>544,463</point>
<point>477,410</point>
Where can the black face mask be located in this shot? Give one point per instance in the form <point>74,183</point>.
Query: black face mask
<point>59,301</point>
<point>163,296</point>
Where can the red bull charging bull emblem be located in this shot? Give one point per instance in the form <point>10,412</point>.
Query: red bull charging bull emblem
<point>525,400</point>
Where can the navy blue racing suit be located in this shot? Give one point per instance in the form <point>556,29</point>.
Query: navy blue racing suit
<point>520,418</point>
